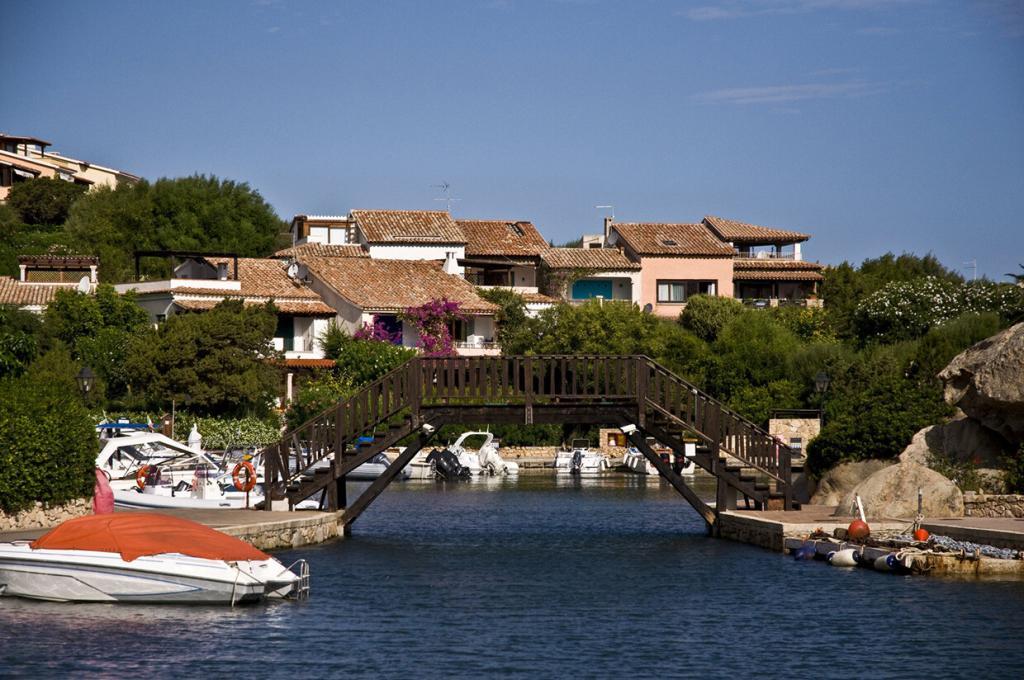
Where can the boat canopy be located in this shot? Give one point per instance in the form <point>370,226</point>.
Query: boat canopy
<point>137,534</point>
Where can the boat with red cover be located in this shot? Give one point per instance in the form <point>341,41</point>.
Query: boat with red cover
<point>144,557</point>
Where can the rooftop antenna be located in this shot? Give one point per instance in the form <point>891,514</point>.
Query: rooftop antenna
<point>448,199</point>
<point>607,207</point>
<point>973,266</point>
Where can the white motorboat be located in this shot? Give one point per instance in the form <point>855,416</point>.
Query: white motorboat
<point>485,460</point>
<point>124,456</point>
<point>143,557</point>
<point>635,461</point>
<point>580,460</point>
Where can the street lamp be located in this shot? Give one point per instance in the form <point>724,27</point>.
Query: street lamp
<point>86,379</point>
<point>821,382</point>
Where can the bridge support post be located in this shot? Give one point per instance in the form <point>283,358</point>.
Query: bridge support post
<point>360,504</point>
<point>637,439</point>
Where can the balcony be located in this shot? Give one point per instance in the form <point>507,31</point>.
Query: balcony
<point>479,348</point>
<point>765,303</point>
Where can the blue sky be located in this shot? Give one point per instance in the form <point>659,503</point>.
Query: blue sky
<point>875,125</point>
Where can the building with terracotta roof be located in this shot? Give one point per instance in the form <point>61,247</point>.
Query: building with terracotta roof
<point>367,291</point>
<point>199,282</point>
<point>580,274</point>
<point>24,158</point>
<point>42,276</point>
<point>502,253</point>
<point>676,260</point>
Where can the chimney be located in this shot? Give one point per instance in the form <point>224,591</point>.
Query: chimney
<point>451,265</point>
<point>607,229</point>
<point>222,271</point>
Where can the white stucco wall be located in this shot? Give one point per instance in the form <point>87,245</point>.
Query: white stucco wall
<point>426,251</point>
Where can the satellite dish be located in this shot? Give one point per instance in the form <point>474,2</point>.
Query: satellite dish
<point>84,285</point>
<point>648,308</point>
<point>293,270</point>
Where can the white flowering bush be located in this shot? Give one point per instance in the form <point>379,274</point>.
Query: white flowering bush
<point>902,310</point>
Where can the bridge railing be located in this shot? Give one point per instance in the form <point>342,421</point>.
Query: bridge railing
<point>525,379</point>
<point>711,420</point>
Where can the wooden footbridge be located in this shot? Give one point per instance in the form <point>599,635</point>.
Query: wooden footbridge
<point>412,402</point>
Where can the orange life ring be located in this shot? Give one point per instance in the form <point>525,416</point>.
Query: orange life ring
<point>250,476</point>
<point>140,476</point>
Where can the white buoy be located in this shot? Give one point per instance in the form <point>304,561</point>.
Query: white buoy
<point>843,558</point>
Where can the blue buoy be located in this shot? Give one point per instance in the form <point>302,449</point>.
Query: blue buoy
<point>805,552</point>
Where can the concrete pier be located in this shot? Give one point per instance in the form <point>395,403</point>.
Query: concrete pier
<point>265,530</point>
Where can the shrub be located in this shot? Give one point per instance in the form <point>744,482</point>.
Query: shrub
<point>317,395</point>
<point>877,422</point>
<point>511,317</point>
<point>18,340</point>
<point>940,344</point>
<point>361,362</point>
<point>48,443</point>
<point>226,433</point>
<point>706,315</point>
<point>1013,475</point>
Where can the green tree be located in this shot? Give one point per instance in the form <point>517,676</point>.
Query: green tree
<point>940,344</point>
<point>511,317</point>
<point>706,315</point>
<point>222,360</point>
<point>756,402</point>
<point>197,213</point>
<point>99,330</point>
<point>318,394</point>
<point>48,443</point>
<point>44,201</point>
<point>19,340</point>
<point>752,349</point>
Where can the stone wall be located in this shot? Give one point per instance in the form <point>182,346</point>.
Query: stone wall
<point>291,533</point>
<point>993,505</point>
<point>788,429</point>
<point>41,517</point>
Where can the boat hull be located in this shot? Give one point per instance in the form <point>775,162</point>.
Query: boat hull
<point>87,576</point>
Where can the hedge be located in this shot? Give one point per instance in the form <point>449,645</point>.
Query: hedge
<point>48,444</point>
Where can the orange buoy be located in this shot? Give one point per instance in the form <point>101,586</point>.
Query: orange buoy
<point>858,530</point>
<point>921,535</point>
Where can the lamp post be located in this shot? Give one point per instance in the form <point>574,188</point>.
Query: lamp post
<point>85,379</point>
<point>821,382</point>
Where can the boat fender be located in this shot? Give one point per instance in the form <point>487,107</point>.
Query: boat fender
<point>249,483</point>
<point>885,562</point>
<point>858,530</point>
<point>805,552</point>
<point>140,476</point>
<point>842,558</point>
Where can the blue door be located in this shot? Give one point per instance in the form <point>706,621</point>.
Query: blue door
<point>586,289</point>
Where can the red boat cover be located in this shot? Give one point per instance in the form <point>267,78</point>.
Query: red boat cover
<point>135,534</point>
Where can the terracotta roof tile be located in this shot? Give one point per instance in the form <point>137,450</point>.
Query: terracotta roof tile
<point>298,307</point>
<point>741,232</point>
<point>265,278</point>
<point>539,298</point>
<point>322,250</point>
<point>394,285</point>
<point>498,237</point>
<point>775,270</point>
<point>408,226</point>
<point>680,240</point>
<point>14,292</point>
<point>609,259</point>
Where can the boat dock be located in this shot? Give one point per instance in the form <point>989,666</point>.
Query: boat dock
<point>781,531</point>
<point>265,530</point>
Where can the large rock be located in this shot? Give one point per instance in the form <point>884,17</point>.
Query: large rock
<point>986,381</point>
<point>892,493</point>
<point>962,440</point>
<point>840,480</point>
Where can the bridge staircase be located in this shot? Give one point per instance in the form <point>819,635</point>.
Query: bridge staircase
<point>411,402</point>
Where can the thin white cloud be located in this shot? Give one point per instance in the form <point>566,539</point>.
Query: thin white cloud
<point>785,94</point>
<point>740,9</point>
<point>879,31</point>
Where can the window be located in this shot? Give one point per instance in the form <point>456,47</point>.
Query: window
<point>679,291</point>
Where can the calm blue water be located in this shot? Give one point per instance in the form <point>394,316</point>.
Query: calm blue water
<point>543,579</point>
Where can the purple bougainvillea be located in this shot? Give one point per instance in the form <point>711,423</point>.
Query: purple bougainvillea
<point>378,331</point>
<point>434,320</point>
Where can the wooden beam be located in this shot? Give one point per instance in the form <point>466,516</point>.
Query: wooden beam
<point>370,494</point>
<point>637,439</point>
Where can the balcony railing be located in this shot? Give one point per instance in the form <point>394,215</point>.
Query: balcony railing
<point>764,303</point>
